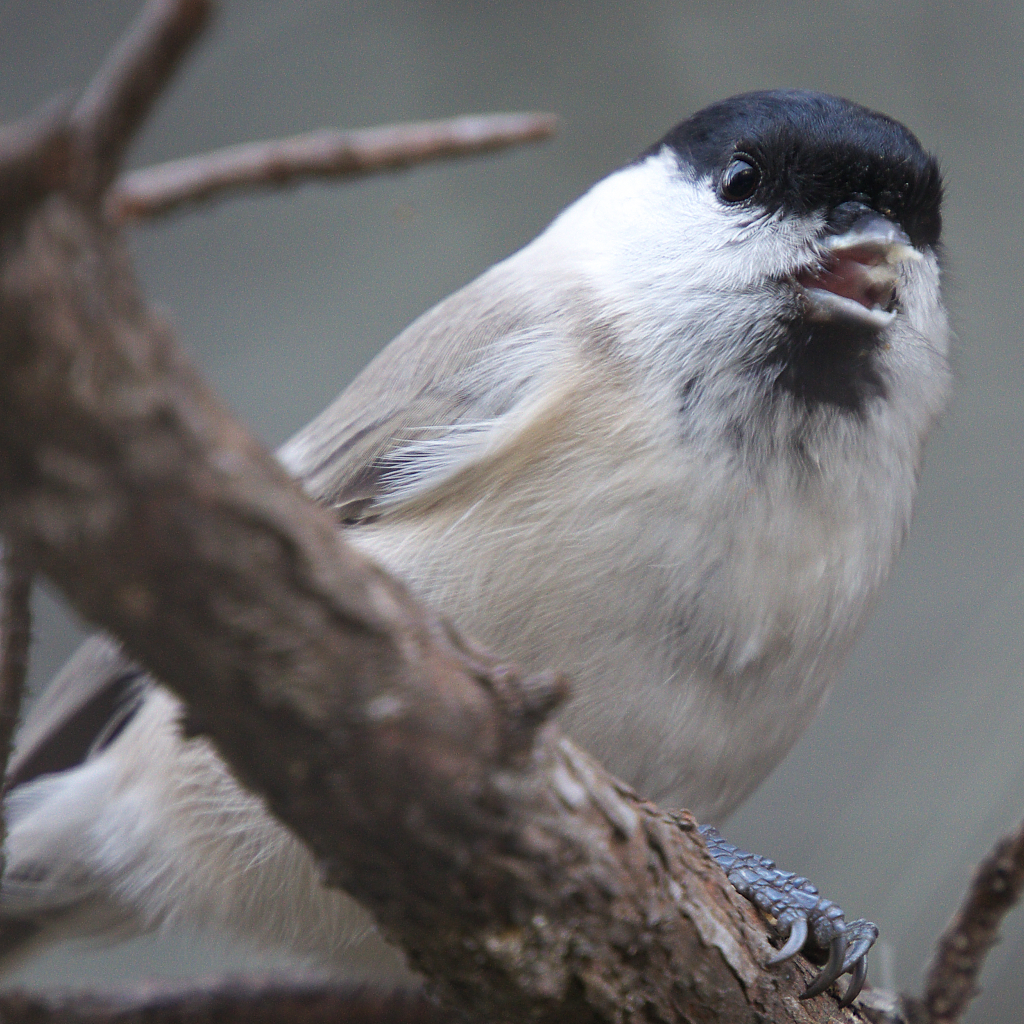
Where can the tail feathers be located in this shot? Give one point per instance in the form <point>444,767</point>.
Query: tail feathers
<point>118,825</point>
<point>54,885</point>
<point>152,831</point>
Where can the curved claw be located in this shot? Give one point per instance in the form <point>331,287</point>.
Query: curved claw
<point>795,942</point>
<point>831,970</point>
<point>794,901</point>
<point>860,937</point>
<point>860,972</point>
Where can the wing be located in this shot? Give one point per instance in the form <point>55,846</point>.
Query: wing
<point>45,885</point>
<point>84,707</point>
<point>433,401</point>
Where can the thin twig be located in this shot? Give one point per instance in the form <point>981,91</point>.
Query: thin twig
<point>960,954</point>
<point>123,91</point>
<point>15,636</point>
<point>323,154</point>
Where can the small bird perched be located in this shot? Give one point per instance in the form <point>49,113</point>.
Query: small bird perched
<point>670,448</point>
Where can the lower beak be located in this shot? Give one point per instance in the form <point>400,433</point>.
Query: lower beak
<point>859,273</point>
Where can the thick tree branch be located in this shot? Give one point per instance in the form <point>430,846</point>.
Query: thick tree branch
<point>514,871</point>
<point>520,878</point>
<point>118,100</point>
<point>15,637</point>
<point>275,163</point>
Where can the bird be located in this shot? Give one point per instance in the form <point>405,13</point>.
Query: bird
<point>669,448</point>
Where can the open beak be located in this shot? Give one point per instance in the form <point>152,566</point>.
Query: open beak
<point>859,274</point>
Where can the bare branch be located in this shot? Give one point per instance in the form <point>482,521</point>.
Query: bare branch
<point>15,637</point>
<point>120,96</point>
<point>231,1001</point>
<point>325,154</point>
<point>960,953</point>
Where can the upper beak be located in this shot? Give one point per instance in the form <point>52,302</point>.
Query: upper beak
<point>859,275</point>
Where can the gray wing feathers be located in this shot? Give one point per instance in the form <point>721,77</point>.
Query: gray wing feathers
<point>432,392</point>
<point>47,887</point>
<point>76,709</point>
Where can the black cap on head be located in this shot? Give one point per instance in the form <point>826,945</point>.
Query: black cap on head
<point>816,153</point>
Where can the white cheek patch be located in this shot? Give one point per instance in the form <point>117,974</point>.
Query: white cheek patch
<point>653,234</point>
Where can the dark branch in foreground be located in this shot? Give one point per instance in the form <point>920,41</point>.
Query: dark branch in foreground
<point>324,154</point>
<point>15,637</point>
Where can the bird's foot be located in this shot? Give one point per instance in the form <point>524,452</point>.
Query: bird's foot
<point>806,920</point>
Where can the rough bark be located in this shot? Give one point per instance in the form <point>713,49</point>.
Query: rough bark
<point>524,881</point>
<point>521,879</point>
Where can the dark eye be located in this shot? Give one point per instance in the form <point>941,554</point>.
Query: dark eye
<point>740,180</point>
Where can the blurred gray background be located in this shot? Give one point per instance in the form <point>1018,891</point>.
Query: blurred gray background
<point>917,764</point>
